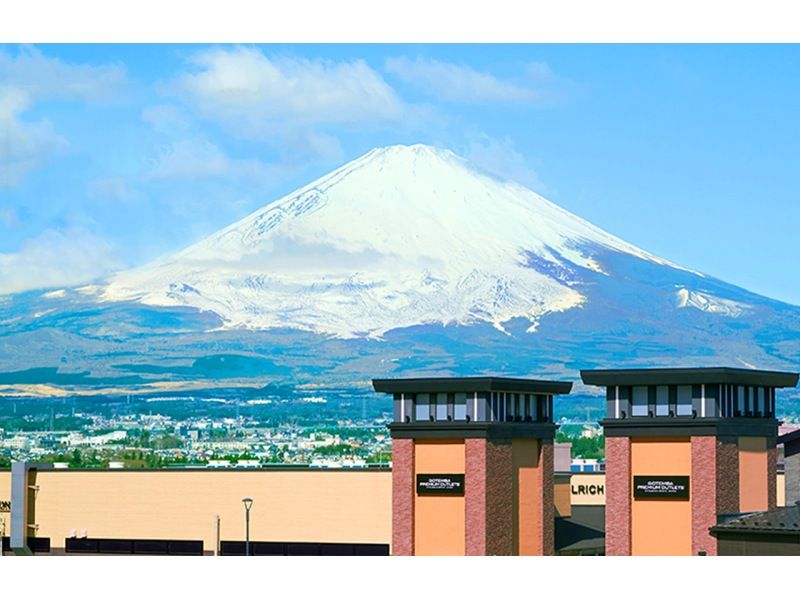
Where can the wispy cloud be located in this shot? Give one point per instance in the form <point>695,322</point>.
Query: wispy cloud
<point>199,158</point>
<point>114,188</point>
<point>24,145</point>
<point>166,119</point>
<point>56,258</point>
<point>501,158</point>
<point>463,84</point>
<point>28,77</point>
<point>9,217</point>
<point>41,77</point>
<point>285,99</point>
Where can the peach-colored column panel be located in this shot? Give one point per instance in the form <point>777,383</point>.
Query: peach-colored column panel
<point>527,520</point>
<point>753,482</point>
<point>661,527</point>
<point>439,520</point>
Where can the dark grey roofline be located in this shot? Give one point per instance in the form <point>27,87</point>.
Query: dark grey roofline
<point>789,437</point>
<point>713,375</point>
<point>470,384</point>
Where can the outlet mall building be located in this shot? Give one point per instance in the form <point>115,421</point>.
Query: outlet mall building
<point>691,469</point>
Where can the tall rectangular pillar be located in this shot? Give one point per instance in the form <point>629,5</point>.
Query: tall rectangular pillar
<point>685,446</point>
<point>618,496</point>
<point>472,465</point>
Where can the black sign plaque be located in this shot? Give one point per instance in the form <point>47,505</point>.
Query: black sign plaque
<point>650,486</point>
<point>440,483</point>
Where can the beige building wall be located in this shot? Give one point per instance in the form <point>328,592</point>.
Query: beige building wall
<point>661,527</point>
<point>753,472</point>
<point>289,506</point>
<point>5,495</point>
<point>439,521</point>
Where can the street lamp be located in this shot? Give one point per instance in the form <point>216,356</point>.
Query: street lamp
<point>248,503</point>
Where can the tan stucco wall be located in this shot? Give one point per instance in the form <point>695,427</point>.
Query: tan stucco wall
<point>753,468</point>
<point>289,506</point>
<point>5,494</point>
<point>439,521</point>
<point>661,527</point>
<point>525,461</point>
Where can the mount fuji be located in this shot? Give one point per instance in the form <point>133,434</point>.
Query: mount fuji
<point>405,260</point>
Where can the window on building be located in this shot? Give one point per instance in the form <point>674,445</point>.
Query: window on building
<point>639,401</point>
<point>422,407</point>
<point>759,411</point>
<point>441,407</point>
<point>684,406</point>
<point>511,410</point>
<point>662,400</point>
<point>740,402</point>
<point>460,406</point>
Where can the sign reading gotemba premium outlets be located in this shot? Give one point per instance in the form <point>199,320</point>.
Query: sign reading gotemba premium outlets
<point>675,486</point>
<point>440,483</point>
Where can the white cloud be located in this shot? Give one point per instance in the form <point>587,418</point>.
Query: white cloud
<point>258,97</point>
<point>459,83</point>
<point>9,217</point>
<point>56,258</point>
<point>114,188</point>
<point>40,77</point>
<point>165,118</point>
<point>199,158</point>
<point>24,145</point>
<point>500,158</point>
<point>29,77</point>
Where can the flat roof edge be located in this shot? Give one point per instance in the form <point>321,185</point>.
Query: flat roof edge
<point>470,384</point>
<point>713,375</point>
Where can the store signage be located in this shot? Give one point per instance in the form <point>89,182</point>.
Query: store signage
<point>440,483</point>
<point>676,486</point>
<point>588,489</point>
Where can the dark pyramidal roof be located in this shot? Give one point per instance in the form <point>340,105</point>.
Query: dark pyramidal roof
<point>785,520</point>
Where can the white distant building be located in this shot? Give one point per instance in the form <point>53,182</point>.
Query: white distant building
<point>591,465</point>
<point>313,400</point>
<point>248,463</point>
<point>76,439</point>
<point>218,464</point>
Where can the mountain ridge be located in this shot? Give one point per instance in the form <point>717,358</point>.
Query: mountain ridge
<point>415,271</point>
<point>376,216</point>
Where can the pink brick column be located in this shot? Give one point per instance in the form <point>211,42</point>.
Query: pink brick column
<point>703,491</point>
<point>618,496</point>
<point>772,469</point>
<point>546,523</point>
<point>727,475</point>
<point>475,496</point>
<point>402,497</point>
<point>499,498</point>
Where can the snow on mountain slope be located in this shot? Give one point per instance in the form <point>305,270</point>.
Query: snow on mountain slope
<point>398,237</point>
<point>710,303</point>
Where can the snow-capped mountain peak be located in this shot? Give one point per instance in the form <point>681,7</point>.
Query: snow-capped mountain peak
<point>403,235</point>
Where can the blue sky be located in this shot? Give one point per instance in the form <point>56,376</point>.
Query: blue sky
<point>111,155</point>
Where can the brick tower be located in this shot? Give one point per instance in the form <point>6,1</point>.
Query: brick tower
<point>683,447</point>
<point>472,465</point>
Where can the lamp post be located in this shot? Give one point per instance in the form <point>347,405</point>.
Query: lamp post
<point>248,502</point>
